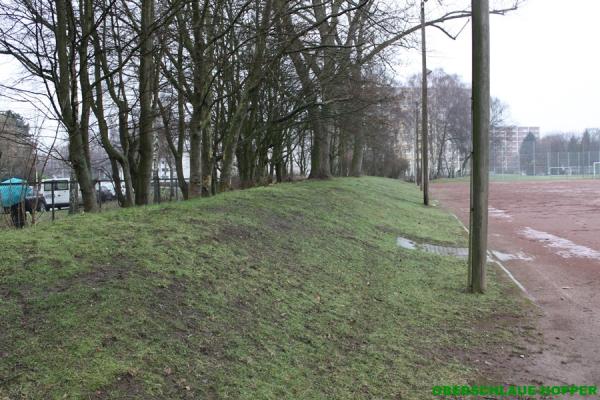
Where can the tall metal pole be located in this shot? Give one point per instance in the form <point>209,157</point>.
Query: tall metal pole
<point>534,158</point>
<point>424,140</point>
<point>481,128</point>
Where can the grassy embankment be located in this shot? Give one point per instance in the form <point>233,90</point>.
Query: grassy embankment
<point>291,291</point>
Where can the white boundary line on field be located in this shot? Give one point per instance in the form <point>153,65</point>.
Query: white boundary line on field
<point>497,261</point>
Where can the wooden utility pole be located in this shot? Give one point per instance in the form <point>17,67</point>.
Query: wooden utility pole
<point>480,158</point>
<point>416,155</point>
<point>424,140</point>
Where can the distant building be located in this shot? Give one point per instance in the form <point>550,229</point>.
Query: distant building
<point>505,142</point>
<point>167,168</point>
<point>55,168</point>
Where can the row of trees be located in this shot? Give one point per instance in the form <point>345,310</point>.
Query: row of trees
<point>449,106</point>
<point>560,153</point>
<point>588,141</point>
<point>244,87</point>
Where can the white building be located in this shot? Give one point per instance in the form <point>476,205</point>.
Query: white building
<point>505,143</point>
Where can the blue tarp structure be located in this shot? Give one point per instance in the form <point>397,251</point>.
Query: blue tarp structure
<point>13,191</point>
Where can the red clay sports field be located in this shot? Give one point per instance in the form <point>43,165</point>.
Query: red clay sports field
<point>547,232</point>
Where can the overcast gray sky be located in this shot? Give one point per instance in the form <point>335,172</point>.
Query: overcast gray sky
<point>545,62</point>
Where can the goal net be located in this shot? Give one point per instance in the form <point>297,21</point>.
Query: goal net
<point>562,170</point>
<point>596,168</point>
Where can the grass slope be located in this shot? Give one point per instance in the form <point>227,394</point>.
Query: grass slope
<point>291,291</point>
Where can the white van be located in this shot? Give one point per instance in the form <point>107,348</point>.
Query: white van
<point>61,192</point>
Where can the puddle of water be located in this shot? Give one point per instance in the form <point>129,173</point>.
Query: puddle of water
<point>567,249</point>
<point>432,248</point>
<point>406,243</point>
<point>446,251</point>
<point>459,252</point>
<point>500,214</point>
<point>508,257</point>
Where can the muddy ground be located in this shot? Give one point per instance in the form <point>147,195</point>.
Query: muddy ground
<point>548,235</point>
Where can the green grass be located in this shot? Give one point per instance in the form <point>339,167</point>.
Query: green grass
<point>44,217</point>
<point>294,291</point>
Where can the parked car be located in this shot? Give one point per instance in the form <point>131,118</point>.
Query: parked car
<point>105,194</point>
<point>60,187</point>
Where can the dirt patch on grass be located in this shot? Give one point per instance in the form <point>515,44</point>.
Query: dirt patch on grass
<point>169,302</point>
<point>491,360</point>
<point>96,276</point>
<point>277,224</point>
<point>127,385</point>
<point>279,221</point>
<point>218,209</point>
<point>231,232</point>
<point>388,229</point>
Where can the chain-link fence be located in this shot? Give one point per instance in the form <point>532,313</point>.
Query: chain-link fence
<point>26,203</point>
<point>564,164</point>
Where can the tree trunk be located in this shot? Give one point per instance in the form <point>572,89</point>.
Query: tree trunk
<point>195,186</point>
<point>230,142</point>
<point>146,137</point>
<point>73,194</point>
<point>319,162</point>
<point>207,156</point>
<point>116,178</point>
<point>66,91</point>
<point>277,159</point>
<point>358,154</point>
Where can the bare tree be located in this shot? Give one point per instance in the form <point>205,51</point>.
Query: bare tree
<point>50,40</point>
